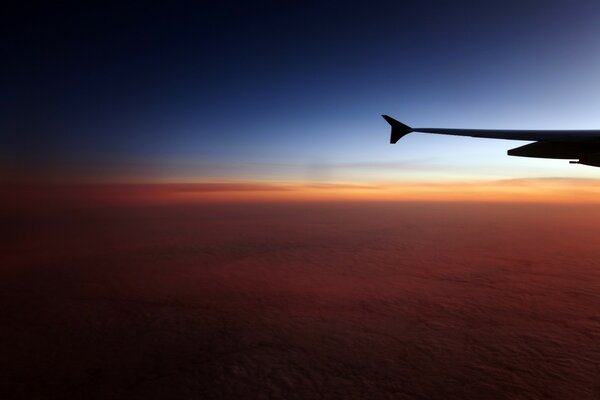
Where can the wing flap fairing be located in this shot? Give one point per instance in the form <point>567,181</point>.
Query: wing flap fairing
<point>563,150</point>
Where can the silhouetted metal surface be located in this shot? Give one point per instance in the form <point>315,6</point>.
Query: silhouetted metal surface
<point>581,145</point>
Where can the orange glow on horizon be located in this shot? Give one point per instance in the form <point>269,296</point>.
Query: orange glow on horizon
<point>518,191</point>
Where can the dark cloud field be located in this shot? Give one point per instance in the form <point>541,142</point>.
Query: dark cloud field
<point>301,300</point>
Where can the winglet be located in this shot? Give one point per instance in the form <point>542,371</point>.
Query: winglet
<point>398,129</point>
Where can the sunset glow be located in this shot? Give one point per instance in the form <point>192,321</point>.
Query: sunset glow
<point>566,191</point>
<point>200,200</point>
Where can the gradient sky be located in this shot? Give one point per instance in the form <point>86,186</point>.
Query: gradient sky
<point>278,92</point>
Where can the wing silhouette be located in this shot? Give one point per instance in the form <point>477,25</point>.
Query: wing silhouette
<point>580,145</point>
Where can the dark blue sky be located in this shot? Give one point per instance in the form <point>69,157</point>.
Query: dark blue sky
<point>273,91</point>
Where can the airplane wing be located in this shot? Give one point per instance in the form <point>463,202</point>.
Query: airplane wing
<point>580,145</point>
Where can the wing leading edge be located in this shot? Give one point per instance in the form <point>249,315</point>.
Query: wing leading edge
<point>580,145</point>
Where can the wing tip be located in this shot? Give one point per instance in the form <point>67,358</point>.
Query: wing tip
<point>398,129</point>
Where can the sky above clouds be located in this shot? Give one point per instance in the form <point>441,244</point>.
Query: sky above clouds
<point>267,91</point>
